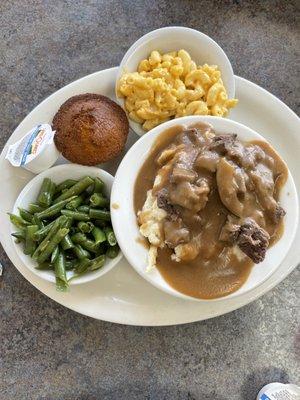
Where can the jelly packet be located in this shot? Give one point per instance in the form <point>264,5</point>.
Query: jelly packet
<point>36,151</point>
<point>279,391</point>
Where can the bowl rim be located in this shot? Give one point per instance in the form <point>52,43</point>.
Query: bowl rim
<point>155,132</point>
<point>24,192</point>
<point>136,127</point>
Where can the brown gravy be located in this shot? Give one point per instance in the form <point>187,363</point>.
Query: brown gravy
<point>217,270</point>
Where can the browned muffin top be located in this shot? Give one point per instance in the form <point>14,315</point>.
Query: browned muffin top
<point>90,129</point>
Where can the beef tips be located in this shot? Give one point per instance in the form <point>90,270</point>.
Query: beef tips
<point>181,174</point>
<point>278,213</point>
<point>207,160</point>
<point>221,143</point>
<point>175,233</point>
<point>163,202</point>
<point>248,235</point>
<point>191,137</point>
<point>190,196</point>
<point>253,240</point>
<point>228,145</point>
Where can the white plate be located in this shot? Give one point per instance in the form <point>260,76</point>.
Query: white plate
<point>122,295</point>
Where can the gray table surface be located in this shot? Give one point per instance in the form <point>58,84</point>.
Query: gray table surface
<point>50,352</point>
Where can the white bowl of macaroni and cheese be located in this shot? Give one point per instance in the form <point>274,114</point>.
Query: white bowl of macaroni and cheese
<point>174,72</point>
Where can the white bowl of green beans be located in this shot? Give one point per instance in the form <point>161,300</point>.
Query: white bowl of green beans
<point>61,225</point>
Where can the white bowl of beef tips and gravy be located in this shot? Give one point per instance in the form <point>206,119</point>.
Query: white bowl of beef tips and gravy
<point>210,208</point>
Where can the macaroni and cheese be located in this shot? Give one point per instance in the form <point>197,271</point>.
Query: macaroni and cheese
<point>171,85</point>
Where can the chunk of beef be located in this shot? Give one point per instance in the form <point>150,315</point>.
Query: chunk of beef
<point>191,137</point>
<point>278,213</point>
<point>175,233</point>
<point>186,158</point>
<point>221,143</point>
<point>190,196</point>
<point>253,240</point>
<point>248,235</point>
<point>207,160</point>
<point>163,202</point>
<point>246,157</point>
<point>181,174</point>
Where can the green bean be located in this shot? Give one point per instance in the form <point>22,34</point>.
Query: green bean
<point>80,238</point>
<point>30,245</point>
<point>19,235</point>
<point>97,263</point>
<point>54,254</point>
<point>53,242</point>
<point>45,266</point>
<point>54,209</point>
<point>76,189</point>
<point>112,251</point>
<point>99,214</point>
<point>35,208</point>
<point>99,235</point>
<point>84,209</point>
<point>81,252</point>
<point>98,185</point>
<point>85,227</point>
<point>52,232</point>
<point>60,272</point>
<point>65,185</point>
<point>52,191</point>
<point>110,236</point>
<point>38,222</point>
<point>67,223</point>
<point>27,216</point>
<point>71,264</point>
<point>18,221</point>
<point>97,200</point>
<point>72,205</point>
<point>76,215</point>
<point>83,266</point>
<point>67,243</point>
<point>41,233</point>
<point>90,189</point>
<point>46,192</point>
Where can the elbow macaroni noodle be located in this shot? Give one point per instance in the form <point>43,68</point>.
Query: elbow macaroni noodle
<point>171,85</point>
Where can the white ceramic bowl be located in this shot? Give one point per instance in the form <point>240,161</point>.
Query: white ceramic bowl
<point>124,216</point>
<point>201,47</point>
<point>29,195</point>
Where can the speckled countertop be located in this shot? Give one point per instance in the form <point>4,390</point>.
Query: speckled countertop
<point>49,352</point>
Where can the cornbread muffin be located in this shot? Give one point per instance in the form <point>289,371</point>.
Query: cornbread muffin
<point>90,129</point>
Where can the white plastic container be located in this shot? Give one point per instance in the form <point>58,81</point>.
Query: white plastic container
<point>36,151</point>
<point>279,391</point>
